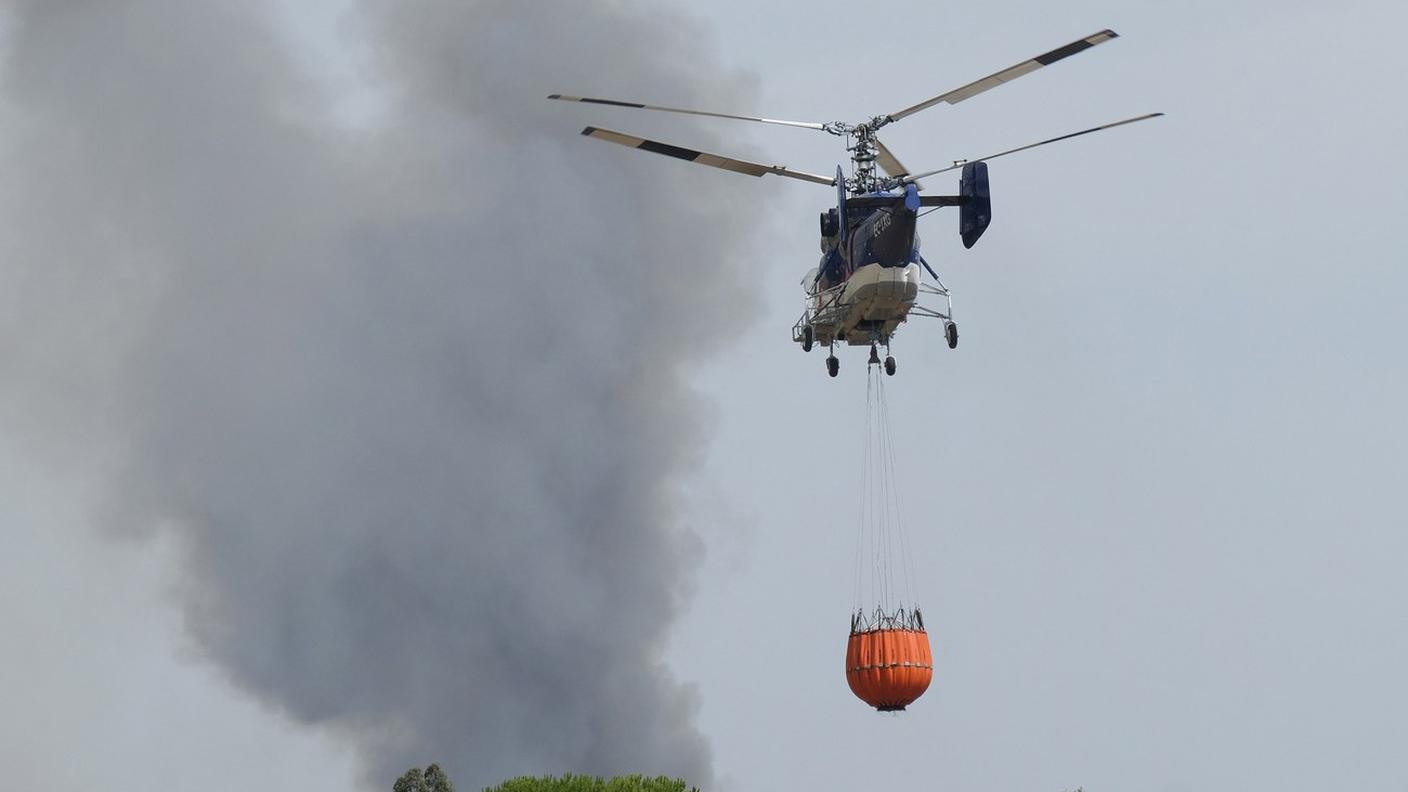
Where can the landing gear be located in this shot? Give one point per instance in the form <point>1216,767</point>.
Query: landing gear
<point>833,366</point>
<point>807,338</point>
<point>952,333</point>
<point>890,365</point>
<point>874,356</point>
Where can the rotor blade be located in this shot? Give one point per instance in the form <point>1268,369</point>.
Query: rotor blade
<point>1011,73</point>
<point>889,163</point>
<point>704,158</point>
<point>960,163</point>
<point>639,106</point>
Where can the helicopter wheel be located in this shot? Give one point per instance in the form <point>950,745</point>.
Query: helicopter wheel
<point>833,366</point>
<point>890,366</point>
<point>807,338</point>
<point>952,333</point>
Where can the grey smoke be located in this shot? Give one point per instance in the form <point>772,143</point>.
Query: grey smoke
<point>409,397</point>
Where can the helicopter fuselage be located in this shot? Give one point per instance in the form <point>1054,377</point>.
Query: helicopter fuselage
<point>868,278</point>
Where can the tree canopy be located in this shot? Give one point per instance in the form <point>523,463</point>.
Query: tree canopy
<point>433,779</point>
<point>582,783</point>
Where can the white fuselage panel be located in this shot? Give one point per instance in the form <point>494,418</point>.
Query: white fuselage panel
<point>878,296</point>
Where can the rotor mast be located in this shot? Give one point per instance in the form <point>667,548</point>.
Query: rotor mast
<point>863,147</point>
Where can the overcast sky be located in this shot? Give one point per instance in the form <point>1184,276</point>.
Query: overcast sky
<point>1152,499</point>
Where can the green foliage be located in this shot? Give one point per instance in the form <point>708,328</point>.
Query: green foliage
<point>581,783</point>
<point>412,780</point>
<point>432,780</point>
<point>436,780</point>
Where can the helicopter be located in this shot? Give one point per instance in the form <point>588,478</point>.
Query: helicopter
<point>869,279</point>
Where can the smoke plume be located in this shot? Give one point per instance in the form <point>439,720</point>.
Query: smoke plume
<point>408,394</point>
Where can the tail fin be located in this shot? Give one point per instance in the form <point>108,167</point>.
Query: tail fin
<point>976,211</point>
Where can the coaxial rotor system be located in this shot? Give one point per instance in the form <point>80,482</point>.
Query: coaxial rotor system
<point>863,145</point>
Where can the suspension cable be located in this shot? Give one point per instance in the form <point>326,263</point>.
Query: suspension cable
<point>884,571</point>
